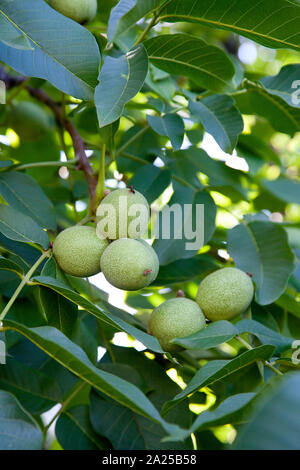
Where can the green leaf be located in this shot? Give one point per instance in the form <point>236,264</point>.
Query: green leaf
<point>59,347</point>
<point>187,164</point>
<point>36,391</point>
<point>253,143</point>
<point>256,152</point>
<point>85,333</point>
<point>108,418</point>
<point>26,312</point>
<point>6,165</point>
<point>265,335</point>
<point>24,194</point>
<point>282,117</point>
<point>165,88</point>
<point>74,431</point>
<point>124,371</point>
<point>275,25</point>
<point>139,143</point>
<point>85,288</point>
<point>214,334</point>
<point>29,151</point>
<point>176,247</point>
<point>51,269</point>
<point>285,84</point>
<point>220,369</point>
<point>262,249</point>
<point>126,14</point>
<point>107,134</point>
<point>169,125</point>
<point>286,190</point>
<point>68,57</point>
<point>288,302</point>
<point>151,181</point>
<point>64,378</point>
<point>120,80</point>
<point>60,312</point>
<point>220,118</point>
<point>275,423</point>
<point>180,54</point>
<point>10,36</point>
<point>153,373</point>
<point>185,270</point>
<point>103,311</point>
<point>233,410</point>
<point>184,167</point>
<point>19,227</point>
<point>26,253</point>
<point>18,431</point>
<point>9,265</point>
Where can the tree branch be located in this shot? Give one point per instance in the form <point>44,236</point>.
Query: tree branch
<point>78,143</point>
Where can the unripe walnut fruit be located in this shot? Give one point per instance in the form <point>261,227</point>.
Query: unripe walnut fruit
<point>175,318</point>
<point>78,10</point>
<point>225,293</point>
<point>123,213</point>
<point>78,251</point>
<point>129,264</point>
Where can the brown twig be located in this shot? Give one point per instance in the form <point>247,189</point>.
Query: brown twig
<point>78,143</point>
<point>9,80</point>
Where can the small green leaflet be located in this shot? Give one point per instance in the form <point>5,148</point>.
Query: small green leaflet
<point>18,430</point>
<point>286,84</point>
<point>220,369</point>
<point>170,125</point>
<point>220,118</point>
<point>21,228</point>
<point>120,80</point>
<point>214,334</point>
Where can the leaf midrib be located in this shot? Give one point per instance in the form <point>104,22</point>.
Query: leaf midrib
<point>45,52</point>
<point>73,370</point>
<point>180,62</point>
<point>232,28</point>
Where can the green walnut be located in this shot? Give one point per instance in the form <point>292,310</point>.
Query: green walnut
<point>129,264</point>
<point>175,318</point>
<point>225,293</point>
<point>78,251</point>
<point>29,120</point>
<point>152,252</point>
<point>123,213</point>
<point>78,10</point>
